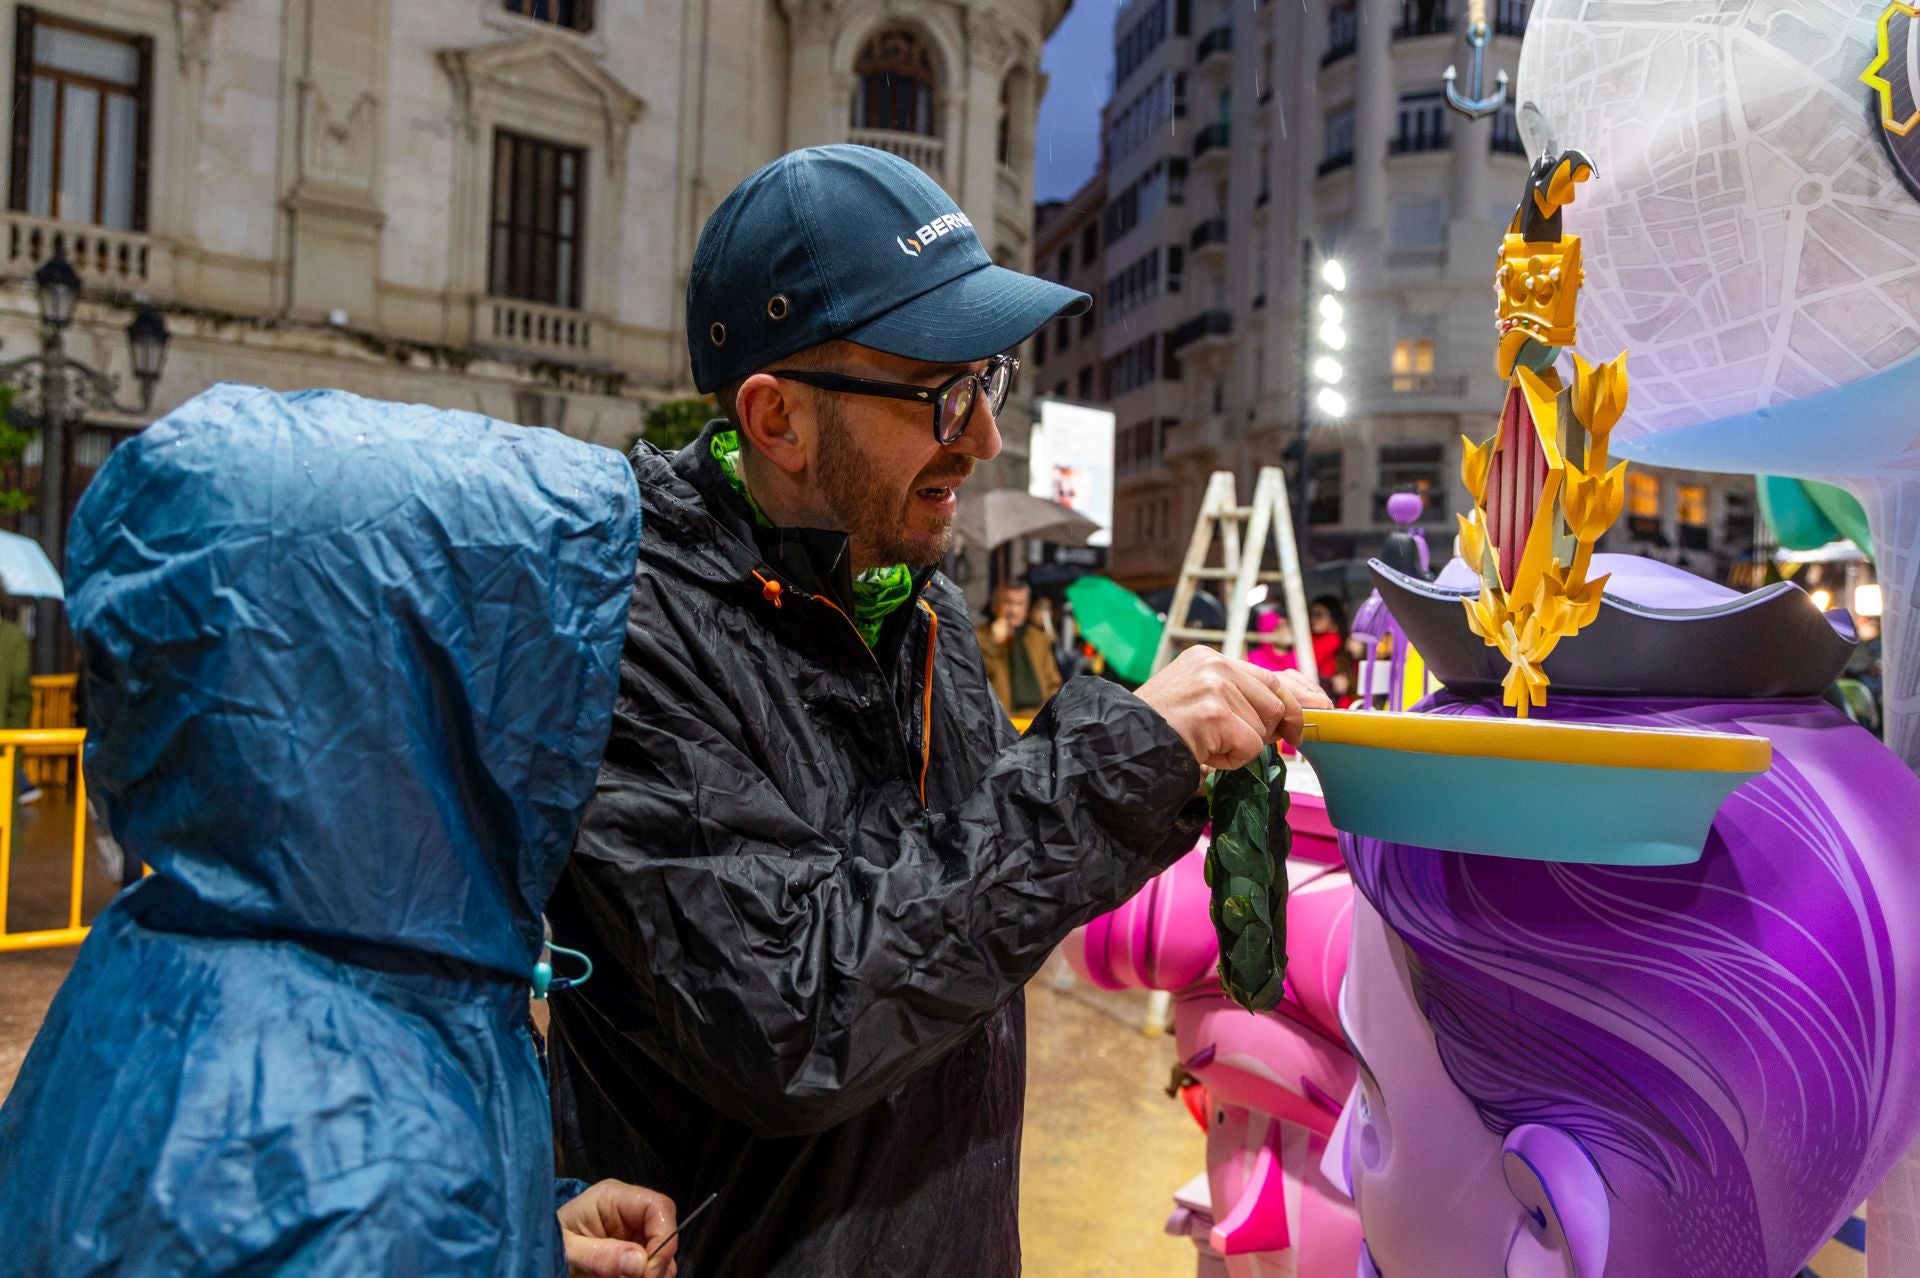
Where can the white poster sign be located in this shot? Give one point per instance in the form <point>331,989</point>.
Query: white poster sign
<point>1071,462</point>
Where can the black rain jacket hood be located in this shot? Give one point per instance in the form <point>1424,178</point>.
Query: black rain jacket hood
<point>813,879</point>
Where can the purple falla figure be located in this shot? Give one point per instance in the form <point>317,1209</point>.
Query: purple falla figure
<point>1594,1072</point>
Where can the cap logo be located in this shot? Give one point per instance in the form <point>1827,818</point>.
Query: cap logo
<point>945,224</point>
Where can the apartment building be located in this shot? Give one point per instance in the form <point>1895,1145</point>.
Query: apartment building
<point>1247,141</point>
<point>483,204</point>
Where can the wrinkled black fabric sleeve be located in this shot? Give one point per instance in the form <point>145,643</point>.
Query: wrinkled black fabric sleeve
<point>792,976</point>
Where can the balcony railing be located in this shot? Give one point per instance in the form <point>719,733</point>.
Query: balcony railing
<point>1340,48</point>
<point>1204,325</point>
<point>1335,162</point>
<point>119,261</point>
<point>927,154</point>
<point>1432,385</point>
<point>1218,40</point>
<point>530,326</point>
<point>1209,233</point>
<point>1213,137</point>
<point>1414,143</point>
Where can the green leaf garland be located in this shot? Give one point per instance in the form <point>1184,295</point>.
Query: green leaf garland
<point>1246,867</point>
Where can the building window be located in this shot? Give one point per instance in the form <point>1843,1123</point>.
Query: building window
<point>1510,16</point>
<point>1738,515</point>
<point>1003,148</point>
<point>1323,498</point>
<point>1413,365</point>
<point>1422,123</point>
<point>1506,132</point>
<point>1643,505</point>
<point>1040,346</point>
<point>1062,334</point>
<point>1643,494</point>
<point>1423,17</point>
<point>1412,468</point>
<point>1089,242</point>
<point>82,97</point>
<point>538,202</point>
<point>1087,322</point>
<point>1342,30</point>
<point>575,15</point>
<point>1691,516</point>
<point>1066,263</point>
<point>1086,383</point>
<point>1337,151</point>
<point>896,84</point>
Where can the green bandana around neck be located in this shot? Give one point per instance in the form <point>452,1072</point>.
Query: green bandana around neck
<point>877,592</point>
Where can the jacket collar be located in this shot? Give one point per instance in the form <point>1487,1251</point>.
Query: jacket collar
<point>816,560</point>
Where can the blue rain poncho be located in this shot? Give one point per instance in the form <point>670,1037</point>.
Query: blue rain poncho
<point>350,668</point>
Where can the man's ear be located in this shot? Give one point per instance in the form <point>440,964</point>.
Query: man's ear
<point>766,409</point>
<point>1565,1217</point>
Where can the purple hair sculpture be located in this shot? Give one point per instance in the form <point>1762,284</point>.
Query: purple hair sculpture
<point>1602,1072</point>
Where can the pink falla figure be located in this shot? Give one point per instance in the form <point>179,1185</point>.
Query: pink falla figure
<point>1269,1085</point>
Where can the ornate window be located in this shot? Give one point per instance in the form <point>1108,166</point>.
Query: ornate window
<point>896,84</point>
<point>537,197</point>
<point>575,15</point>
<point>81,100</point>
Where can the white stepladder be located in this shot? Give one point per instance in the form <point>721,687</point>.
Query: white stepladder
<point>1242,533</point>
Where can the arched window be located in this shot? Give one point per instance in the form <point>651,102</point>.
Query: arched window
<point>896,82</point>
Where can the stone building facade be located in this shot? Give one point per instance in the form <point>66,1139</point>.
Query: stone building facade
<point>1246,142</point>
<point>483,204</point>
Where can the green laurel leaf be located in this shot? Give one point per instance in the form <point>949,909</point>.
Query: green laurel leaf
<point>1246,871</point>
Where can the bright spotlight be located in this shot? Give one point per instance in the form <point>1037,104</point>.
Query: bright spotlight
<point>1327,369</point>
<point>1867,601</point>
<point>1823,599</point>
<point>1330,309</point>
<point>1331,402</point>
<point>1334,274</point>
<point>1333,337</point>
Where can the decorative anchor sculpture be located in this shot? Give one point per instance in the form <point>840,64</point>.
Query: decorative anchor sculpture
<point>1479,104</point>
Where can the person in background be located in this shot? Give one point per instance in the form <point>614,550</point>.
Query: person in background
<point>1272,648</point>
<point>16,691</point>
<point>1327,618</point>
<point>1018,652</point>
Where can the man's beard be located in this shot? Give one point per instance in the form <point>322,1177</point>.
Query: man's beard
<point>868,506</point>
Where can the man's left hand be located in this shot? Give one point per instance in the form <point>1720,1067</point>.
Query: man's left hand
<point>611,1230</point>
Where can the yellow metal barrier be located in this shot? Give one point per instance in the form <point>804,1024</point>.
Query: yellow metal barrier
<point>48,744</point>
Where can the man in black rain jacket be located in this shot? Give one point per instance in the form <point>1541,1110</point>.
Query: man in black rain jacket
<point>819,865</point>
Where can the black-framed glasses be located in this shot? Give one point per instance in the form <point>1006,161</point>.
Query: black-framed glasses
<point>952,401</point>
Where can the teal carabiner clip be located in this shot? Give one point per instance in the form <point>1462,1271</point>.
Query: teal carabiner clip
<point>544,981</point>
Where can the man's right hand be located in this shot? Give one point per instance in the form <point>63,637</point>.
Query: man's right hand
<point>1228,711</point>
<point>1001,631</point>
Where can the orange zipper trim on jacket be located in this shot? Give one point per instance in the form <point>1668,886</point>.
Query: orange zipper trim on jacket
<point>926,700</point>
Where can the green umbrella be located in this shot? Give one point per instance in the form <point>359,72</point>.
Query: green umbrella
<point>1118,623</point>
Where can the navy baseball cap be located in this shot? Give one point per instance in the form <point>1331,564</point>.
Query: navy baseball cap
<point>849,242</point>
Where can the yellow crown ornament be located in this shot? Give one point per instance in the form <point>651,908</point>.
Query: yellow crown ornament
<point>1542,490</point>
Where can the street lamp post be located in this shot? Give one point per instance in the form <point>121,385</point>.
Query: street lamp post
<point>64,386</point>
<point>1321,330</point>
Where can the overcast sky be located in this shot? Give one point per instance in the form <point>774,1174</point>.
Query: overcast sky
<point>1078,62</point>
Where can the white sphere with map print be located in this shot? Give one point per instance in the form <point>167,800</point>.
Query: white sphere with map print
<point>1749,237</point>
